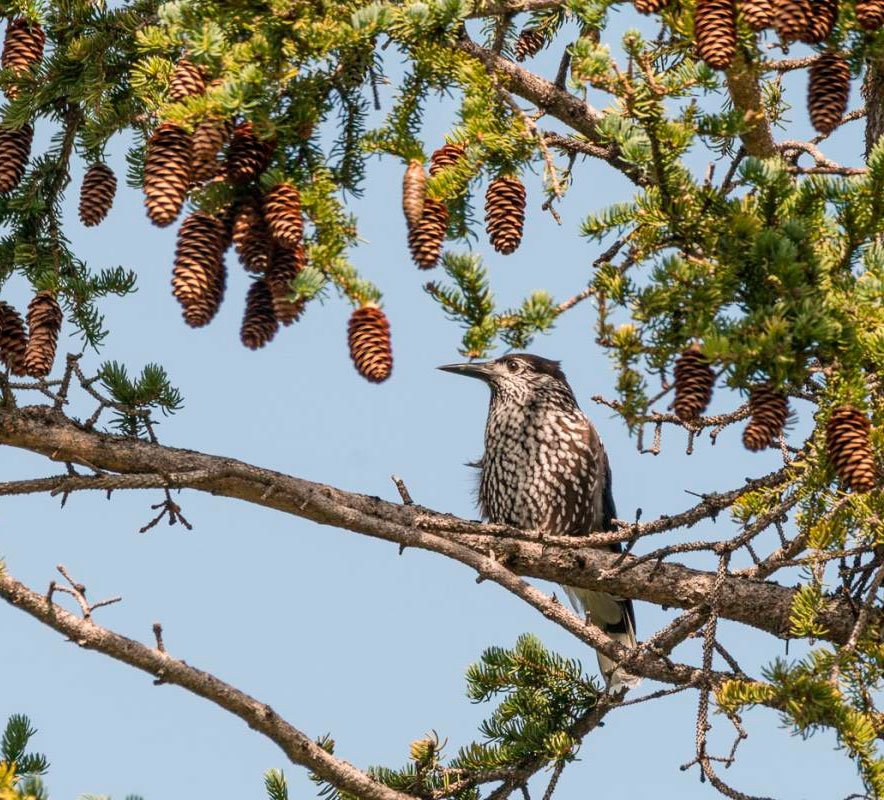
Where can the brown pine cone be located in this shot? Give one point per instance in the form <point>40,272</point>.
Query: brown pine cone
<point>284,268</point>
<point>759,14</point>
<point>446,156</point>
<point>828,91</point>
<point>426,238</point>
<point>15,149</point>
<point>850,449</point>
<point>97,194</point>
<point>22,47</point>
<point>248,154</point>
<point>44,323</point>
<point>715,29</point>
<point>13,339</point>
<point>198,278</point>
<point>770,410</point>
<point>259,323</point>
<point>282,213</point>
<point>368,335</point>
<point>870,14</point>
<point>251,237</point>
<point>650,6</point>
<point>414,189</point>
<point>166,173</point>
<point>529,43</point>
<point>793,18</point>
<point>187,80</point>
<point>822,21</point>
<point>505,213</point>
<point>694,380</point>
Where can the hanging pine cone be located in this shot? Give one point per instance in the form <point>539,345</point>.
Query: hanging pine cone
<point>209,137</point>
<point>282,213</point>
<point>759,14</point>
<point>284,268</point>
<point>13,339</point>
<point>650,6</point>
<point>792,18</point>
<point>694,379</point>
<point>770,410</point>
<point>870,14</point>
<point>248,154</point>
<point>849,448</point>
<point>529,43</point>
<point>414,189</point>
<point>22,47</point>
<point>505,213</point>
<point>821,22</point>
<point>44,323</point>
<point>715,29</point>
<point>828,91</point>
<point>187,80</point>
<point>259,323</point>
<point>446,156</point>
<point>426,238</point>
<point>197,277</point>
<point>251,237</point>
<point>97,194</point>
<point>166,173</point>
<point>368,334</point>
<point>15,148</point>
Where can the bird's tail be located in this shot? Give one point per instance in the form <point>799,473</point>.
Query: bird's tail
<point>615,617</point>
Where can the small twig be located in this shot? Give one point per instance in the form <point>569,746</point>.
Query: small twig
<point>403,490</point>
<point>158,634</point>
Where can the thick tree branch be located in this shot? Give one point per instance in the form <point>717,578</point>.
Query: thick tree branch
<point>297,746</point>
<point>745,91</point>
<point>760,604</point>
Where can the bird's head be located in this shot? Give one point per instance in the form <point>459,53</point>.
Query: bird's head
<point>517,375</point>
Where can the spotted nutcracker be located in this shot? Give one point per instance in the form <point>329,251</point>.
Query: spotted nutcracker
<point>545,469</point>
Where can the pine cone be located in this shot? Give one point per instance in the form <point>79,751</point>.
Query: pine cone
<point>793,18</point>
<point>446,156</point>
<point>248,154</point>
<point>529,43</point>
<point>97,194</point>
<point>759,14</point>
<point>414,188</point>
<point>770,410</point>
<point>251,237</point>
<point>209,137</point>
<point>284,268</point>
<point>282,213</point>
<point>425,239</point>
<point>870,14</point>
<point>22,47</point>
<point>368,334</point>
<point>828,91</point>
<point>13,339</point>
<point>650,6</point>
<point>822,21</point>
<point>259,324</point>
<point>15,148</point>
<point>850,450</point>
<point>505,213</point>
<point>198,278</point>
<point>187,80</point>
<point>166,173</point>
<point>715,29</point>
<point>44,323</point>
<point>694,379</point>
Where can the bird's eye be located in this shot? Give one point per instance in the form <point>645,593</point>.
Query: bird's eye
<point>512,365</point>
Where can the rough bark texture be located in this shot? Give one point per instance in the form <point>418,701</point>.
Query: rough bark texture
<point>745,92</point>
<point>761,604</point>
<point>873,94</point>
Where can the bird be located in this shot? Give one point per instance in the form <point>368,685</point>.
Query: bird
<point>544,468</point>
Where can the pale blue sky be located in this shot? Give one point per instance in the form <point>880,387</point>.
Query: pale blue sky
<point>338,632</point>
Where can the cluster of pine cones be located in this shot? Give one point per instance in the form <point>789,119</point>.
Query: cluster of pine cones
<point>266,229</point>
<point>427,218</point>
<point>30,350</point>
<point>848,444</point>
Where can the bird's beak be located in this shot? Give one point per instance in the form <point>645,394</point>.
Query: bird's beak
<point>481,370</point>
